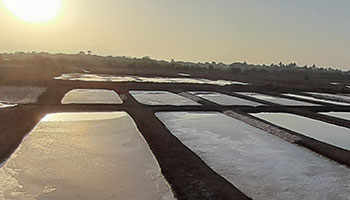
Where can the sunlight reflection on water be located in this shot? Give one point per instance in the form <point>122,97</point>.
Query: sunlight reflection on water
<point>112,78</point>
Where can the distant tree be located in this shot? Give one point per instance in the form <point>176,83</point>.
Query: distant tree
<point>293,64</point>
<point>89,52</point>
<point>281,64</point>
<point>146,58</point>
<point>81,53</point>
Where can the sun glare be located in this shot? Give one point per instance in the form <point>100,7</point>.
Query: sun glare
<point>35,11</point>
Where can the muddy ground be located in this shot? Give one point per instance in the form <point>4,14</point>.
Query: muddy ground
<point>188,175</point>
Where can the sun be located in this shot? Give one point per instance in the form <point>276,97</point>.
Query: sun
<point>35,11</point>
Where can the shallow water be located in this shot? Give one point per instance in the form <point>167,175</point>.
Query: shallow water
<point>224,99</point>
<point>342,115</point>
<point>20,95</point>
<point>112,78</point>
<point>277,100</point>
<point>2,105</point>
<point>184,74</point>
<point>259,164</point>
<point>161,98</point>
<point>322,131</point>
<point>91,96</point>
<point>341,97</point>
<point>94,156</point>
<point>317,99</point>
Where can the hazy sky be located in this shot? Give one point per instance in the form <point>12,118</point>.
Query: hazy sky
<point>256,31</point>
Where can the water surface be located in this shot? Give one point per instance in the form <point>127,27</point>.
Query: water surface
<point>20,95</point>
<point>140,79</point>
<point>317,99</point>
<point>4,105</point>
<point>341,97</point>
<point>91,96</point>
<point>342,115</point>
<point>259,164</point>
<point>224,99</point>
<point>83,156</point>
<point>161,98</point>
<point>277,100</point>
<point>319,130</point>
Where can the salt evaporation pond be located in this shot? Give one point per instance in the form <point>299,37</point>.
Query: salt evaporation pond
<point>140,79</point>
<point>85,156</point>
<point>20,95</point>
<point>161,98</point>
<point>341,97</point>
<point>2,105</point>
<point>277,100</point>
<point>224,99</point>
<point>259,164</point>
<point>317,99</point>
<point>91,96</point>
<point>322,131</point>
<point>342,115</point>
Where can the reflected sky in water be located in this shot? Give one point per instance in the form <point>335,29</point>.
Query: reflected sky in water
<point>342,115</point>
<point>224,99</point>
<point>261,165</point>
<point>318,99</point>
<point>161,98</point>
<point>112,78</point>
<point>91,96</point>
<point>277,100</point>
<point>322,131</point>
<point>83,156</point>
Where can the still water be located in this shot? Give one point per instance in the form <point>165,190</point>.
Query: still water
<point>261,165</point>
<point>4,105</point>
<point>20,95</point>
<point>277,100</point>
<point>318,99</point>
<point>322,131</point>
<point>140,79</point>
<point>91,96</point>
<point>161,98</point>
<point>341,97</point>
<point>224,99</point>
<point>85,156</point>
<point>342,115</point>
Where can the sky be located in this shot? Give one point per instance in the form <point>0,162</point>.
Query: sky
<point>257,31</point>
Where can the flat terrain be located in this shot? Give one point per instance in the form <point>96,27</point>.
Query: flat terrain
<point>188,175</point>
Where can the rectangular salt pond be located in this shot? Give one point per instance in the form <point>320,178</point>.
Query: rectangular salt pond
<point>161,98</point>
<point>322,131</point>
<point>91,96</point>
<point>317,99</point>
<point>261,165</point>
<point>85,156</point>
<point>20,95</point>
<point>224,99</point>
<point>341,115</point>
<point>2,105</point>
<point>140,79</point>
<point>277,100</point>
<point>341,97</point>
